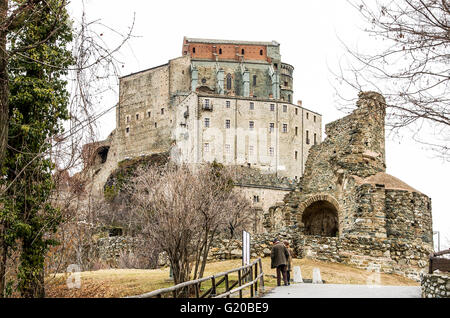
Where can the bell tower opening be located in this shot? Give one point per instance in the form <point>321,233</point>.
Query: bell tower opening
<point>321,218</point>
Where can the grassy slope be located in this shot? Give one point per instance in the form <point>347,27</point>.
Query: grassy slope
<point>126,282</point>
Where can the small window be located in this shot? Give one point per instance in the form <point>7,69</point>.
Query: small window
<point>289,98</point>
<point>207,122</point>
<point>255,199</point>
<point>285,128</point>
<point>128,119</point>
<point>284,108</point>
<point>242,51</point>
<point>250,150</point>
<point>271,127</point>
<point>315,138</point>
<point>227,148</point>
<point>260,52</point>
<point>275,66</point>
<point>285,83</point>
<point>206,102</point>
<point>272,107</point>
<point>206,147</point>
<point>254,80</point>
<point>149,113</point>
<point>220,51</point>
<point>307,137</point>
<point>137,116</point>
<point>193,50</point>
<point>296,111</point>
<point>127,130</point>
<point>252,106</point>
<point>307,115</point>
<point>271,151</point>
<point>156,125</point>
<point>296,155</point>
<point>228,103</point>
<point>251,125</point>
<point>162,111</point>
<point>314,118</point>
<point>228,81</point>
<point>227,124</point>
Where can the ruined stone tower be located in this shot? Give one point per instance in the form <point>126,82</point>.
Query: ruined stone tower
<point>348,209</point>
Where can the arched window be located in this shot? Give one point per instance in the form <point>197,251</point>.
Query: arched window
<point>260,52</point>
<point>228,81</point>
<point>242,51</point>
<point>220,51</point>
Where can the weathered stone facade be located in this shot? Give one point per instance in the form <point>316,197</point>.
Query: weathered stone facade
<point>435,285</point>
<point>347,209</point>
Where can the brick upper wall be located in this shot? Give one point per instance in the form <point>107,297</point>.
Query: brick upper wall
<point>225,51</point>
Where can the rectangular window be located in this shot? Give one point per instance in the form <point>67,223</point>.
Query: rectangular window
<point>296,131</point>
<point>156,125</point>
<point>271,151</point>
<point>228,103</point>
<point>296,111</point>
<point>315,138</point>
<point>127,130</point>
<point>271,127</point>
<point>251,125</point>
<point>227,124</point>
<point>206,122</point>
<point>206,102</point>
<point>137,116</point>
<point>227,149</point>
<point>252,106</point>
<point>255,199</point>
<point>284,108</point>
<point>296,155</point>
<point>314,118</point>
<point>307,115</point>
<point>307,137</point>
<point>206,147</point>
<point>149,113</point>
<point>162,111</point>
<point>128,119</point>
<point>250,150</point>
<point>254,80</point>
<point>272,107</point>
<point>285,128</point>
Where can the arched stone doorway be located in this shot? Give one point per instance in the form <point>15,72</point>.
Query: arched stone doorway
<point>321,218</point>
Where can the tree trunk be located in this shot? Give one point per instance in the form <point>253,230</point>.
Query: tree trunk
<point>3,259</point>
<point>4,85</point>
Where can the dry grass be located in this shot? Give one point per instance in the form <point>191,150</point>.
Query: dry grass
<point>126,282</point>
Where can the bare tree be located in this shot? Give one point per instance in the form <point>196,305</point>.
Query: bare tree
<point>182,211</point>
<point>410,66</point>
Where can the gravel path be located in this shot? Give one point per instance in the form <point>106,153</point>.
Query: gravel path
<point>343,291</point>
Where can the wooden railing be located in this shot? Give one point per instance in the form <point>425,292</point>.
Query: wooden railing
<point>247,276</point>
<point>440,263</point>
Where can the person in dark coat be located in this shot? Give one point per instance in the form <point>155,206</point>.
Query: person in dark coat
<point>289,262</point>
<point>279,260</point>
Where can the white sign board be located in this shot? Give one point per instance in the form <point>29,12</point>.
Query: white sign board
<point>245,248</point>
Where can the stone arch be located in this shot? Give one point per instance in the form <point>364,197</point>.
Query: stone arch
<point>319,215</point>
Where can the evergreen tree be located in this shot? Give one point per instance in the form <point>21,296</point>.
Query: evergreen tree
<point>37,105</point>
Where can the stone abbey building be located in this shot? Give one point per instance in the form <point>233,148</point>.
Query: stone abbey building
<point>231,101</point>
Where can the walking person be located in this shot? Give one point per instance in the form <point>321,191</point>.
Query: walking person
<point>289,262</point>
<point>279,259</point>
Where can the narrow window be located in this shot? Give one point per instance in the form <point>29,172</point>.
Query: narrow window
<point>207,103</point>
<point>272,107</point>
<point>137,116</point>
<point>193,50</point>
<point>242,51</point>
<point>315,138</point>
<point>285,128</point>
<point>206,122</point>
<point>260,52</point>
<point>220,51</point>
<point>255,199</point>
<point>252,106</point>
<point>307,137</point>
<point>228,81</point>
<point>296,111</point>
<point>271,152</point>
<point>307,115</point>
<point>254,80</point>
<point>128,119</point>
<point>206,147</point>
<point>149,113</point>
<point>227,124</point>
<point>296,131</point>
<point>314,118</point>
<point>228,103</point>
<point>296,155</point>
<point>156,125</point>
<point>162,111</point>
<point>127,130</point>
<point>284,108</point>
<point>271,127</point>
<point>251,125</point>
<point>289,98</point>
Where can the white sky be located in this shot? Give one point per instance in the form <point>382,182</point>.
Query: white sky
<point>308,32</point>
